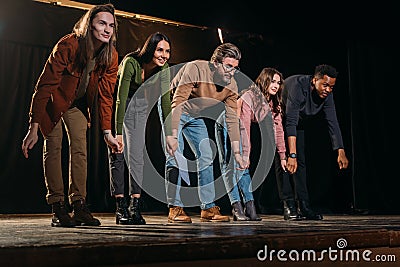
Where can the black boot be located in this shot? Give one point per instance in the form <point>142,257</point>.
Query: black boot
<point>61,216</point>
<point>238,213</point>
<point>250,211</point>
<point>82,215</point>
<point>306,212</point>
<point>290,210</point>
<point>122,212</point>
<point>134,211</point>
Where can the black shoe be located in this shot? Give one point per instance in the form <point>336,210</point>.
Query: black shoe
<point>61,216</point>
<point>250,211</point>
<point>306,212</point>
<point>134,211</point>
<point>122,212</point>
<point>290,210</point>
<point>82,215</point>
<point>238,213</point>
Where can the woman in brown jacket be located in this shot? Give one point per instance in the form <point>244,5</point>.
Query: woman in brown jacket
<point>83,64</point>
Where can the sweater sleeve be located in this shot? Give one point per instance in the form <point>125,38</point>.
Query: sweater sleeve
<point>279,135</point>
<point>333,124</point>
<point>186,79</point>
<point>246,113</point>
<point>127,73</point>
<point>295,99</point>
<point>232,120</point>
<point>166,98</point>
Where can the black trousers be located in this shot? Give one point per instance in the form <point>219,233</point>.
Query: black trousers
<point>293,186</point>
<point>120,176</point>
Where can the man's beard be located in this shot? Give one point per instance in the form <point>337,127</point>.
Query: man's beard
<point>222,80</point>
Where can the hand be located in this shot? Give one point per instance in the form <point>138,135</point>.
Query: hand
<point>291,165</point>
<point>342,160</point>
<point>30,139</point>
<point>120,142</point>
<point>112,142</point>
<point>246,161</point>
<point>171,144</point>
<point>283,164</point>
<point>242,165</point>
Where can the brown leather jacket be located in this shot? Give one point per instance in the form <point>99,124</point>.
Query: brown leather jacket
<point>56,88</point>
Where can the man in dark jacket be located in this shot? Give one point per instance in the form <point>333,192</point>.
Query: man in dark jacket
<point>304,97</point>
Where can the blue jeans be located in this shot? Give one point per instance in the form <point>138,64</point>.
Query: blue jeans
<point>195,132</point>
<point>237,182</point>
<point>173,198</point>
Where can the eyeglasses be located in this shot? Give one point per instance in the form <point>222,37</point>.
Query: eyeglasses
<point>230,68</point>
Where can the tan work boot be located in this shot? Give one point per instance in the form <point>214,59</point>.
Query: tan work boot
<point>178,215</point>
<point>213,215</point>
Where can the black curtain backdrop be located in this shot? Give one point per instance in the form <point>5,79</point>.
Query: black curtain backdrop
<point>28,31</point>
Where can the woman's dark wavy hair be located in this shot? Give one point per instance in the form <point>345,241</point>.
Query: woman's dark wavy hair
<point>145,55</point>
<point>86,49</point>
<point>260,89</point>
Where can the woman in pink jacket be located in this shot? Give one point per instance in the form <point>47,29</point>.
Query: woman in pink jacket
<point>270,83</point>
<point>260,103</point>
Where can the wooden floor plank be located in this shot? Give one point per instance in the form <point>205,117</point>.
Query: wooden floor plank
<point>29,240</point>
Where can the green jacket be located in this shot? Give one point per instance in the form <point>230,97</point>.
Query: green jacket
<point>130,80</point>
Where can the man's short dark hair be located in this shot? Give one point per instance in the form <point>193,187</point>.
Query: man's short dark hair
<point>325,69</point>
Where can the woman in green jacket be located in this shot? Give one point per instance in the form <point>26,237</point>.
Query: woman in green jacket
<point>140,74</point>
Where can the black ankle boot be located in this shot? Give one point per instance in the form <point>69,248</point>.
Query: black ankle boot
<point>61,216</point>
<point>82,215</point>
<point>134,211</point>
<point>306,212</point>
<point>122,212</point>
<point>250,211</point>
<point>238,212</point>
<point>290,210</point>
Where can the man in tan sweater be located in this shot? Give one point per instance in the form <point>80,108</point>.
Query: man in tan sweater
<point>198,90</point>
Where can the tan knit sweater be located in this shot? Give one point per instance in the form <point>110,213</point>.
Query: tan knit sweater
<point>194,92</point>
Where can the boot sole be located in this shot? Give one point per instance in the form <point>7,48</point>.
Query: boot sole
<point>87,224</point>
<point>172,221</point>
<point>211,220</point>
<point>236,219</point>
<point>60,225</point>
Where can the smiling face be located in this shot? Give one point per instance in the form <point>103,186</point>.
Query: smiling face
<point>102,28</point>
<point>162,53</point>
<point>324,85</point>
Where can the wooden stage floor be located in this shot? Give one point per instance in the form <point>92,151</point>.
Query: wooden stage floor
<point>338,240</point>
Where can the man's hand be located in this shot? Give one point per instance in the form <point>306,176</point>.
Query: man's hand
<point>172,144</point>
<point>30,139</point>
<point>291,165</point>
<point>342,160</point>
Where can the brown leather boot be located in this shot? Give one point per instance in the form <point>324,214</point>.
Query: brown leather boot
<point>178,215</point>
<point>82,215</point>
<point>61,217</point>
<point>213,215</point>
